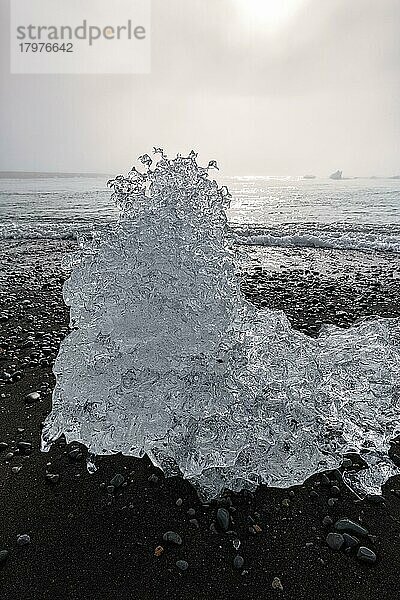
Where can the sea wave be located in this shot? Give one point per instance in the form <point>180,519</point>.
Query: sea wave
<point>361,239</point>
<point>343,237</point>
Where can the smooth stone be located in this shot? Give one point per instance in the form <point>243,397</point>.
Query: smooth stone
<point>53,477</point>
<point>366,555</point>
<point>327,521</point>
<point>223,519</point>
<point>182,565</point>
<point>24,447</point>
<point>75,454</point>
<point>334,540</point>
<point>335,491</point>
<point>117,480</point>
<point>23,540</point>
<point>32,397</point>
<point>348,525</point>
<point>238,562</point>
<point>172,537</point>
<point>350,541</point>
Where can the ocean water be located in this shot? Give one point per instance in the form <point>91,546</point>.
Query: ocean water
<point>276,218</point>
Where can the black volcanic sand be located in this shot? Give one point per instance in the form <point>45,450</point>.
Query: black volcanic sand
<point>90,542</point>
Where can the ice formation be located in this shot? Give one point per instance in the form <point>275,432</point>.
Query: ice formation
<point>167,359</point>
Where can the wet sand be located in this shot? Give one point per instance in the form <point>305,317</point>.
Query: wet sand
<point>87,541</point>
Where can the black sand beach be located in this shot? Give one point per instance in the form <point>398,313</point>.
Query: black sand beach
<point>90,542</point>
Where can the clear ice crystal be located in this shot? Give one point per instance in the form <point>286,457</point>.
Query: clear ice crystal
<point>167,359</point>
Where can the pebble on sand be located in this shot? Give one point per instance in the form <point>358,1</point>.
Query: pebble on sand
<point>23,540</point>
<point>366,555</point>
<point>172,538</point>
<point>182,565</point>
<point>348,525</point>
<point>277,584</point>
<point>32,397</point>
<point>238,562</point>
<point>53,477</point>
<point>117,480</point>
<point>335,541</point>
<point>223,519</point>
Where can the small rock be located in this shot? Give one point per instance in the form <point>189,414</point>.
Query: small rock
<point>32,397</point>
<point>24,447</point>
<point>347,463</point>
<point>195,523</point>
<point>191,512</point>
<point>313,494</point>
<point>277,584</point>
<point>332,501</point>
<point>16,469</point>
<point>325,479</point>
<point>286,502</point>
<point>350,541</point>
<point>335,491</point>
<point>53,477</point>
<point>172,538</point>
<point>117,480</point>
<point>223,519</point>
<point>348,525</point>
<point>375,499</point>
<point>75,454</point>
<point>327,521</point>
<point>182,565</point>
<point>110,489</point>
<point>158,551</point>
<point>153,478</point>
<point>236,543</point>
<point>334,540</point>
<point>9,455</point>
<point>4,554</point>
<point>179,502</point>
<point>3,446</point>
<point>238,562</point>
<point>23,540</point>
<point>366,555</point>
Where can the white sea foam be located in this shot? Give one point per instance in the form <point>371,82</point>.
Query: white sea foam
<point>366,241</point>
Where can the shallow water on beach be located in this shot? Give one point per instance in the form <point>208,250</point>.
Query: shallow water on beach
<point>285,221</point>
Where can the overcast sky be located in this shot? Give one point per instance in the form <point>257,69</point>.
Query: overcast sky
<point>263,93</point>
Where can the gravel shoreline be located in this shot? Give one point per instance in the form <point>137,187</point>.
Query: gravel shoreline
<point>128,531</point>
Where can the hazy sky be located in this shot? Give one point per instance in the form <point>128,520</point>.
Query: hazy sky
<point>312,91</point>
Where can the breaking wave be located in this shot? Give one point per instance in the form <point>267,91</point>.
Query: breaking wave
<point>386,239</point>
<point>367,239</point>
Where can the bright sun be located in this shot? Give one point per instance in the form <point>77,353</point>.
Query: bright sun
<point>268,13</point>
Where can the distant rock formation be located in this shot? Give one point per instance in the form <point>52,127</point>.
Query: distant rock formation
<point>308,176</point>
<point>336,175</point>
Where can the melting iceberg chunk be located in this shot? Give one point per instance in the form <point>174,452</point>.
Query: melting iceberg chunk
<point>166,358</point>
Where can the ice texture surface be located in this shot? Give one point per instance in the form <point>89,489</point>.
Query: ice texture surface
<point>168,359</point>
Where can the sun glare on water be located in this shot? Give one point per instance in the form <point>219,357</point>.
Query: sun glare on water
<point>270,14</point>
